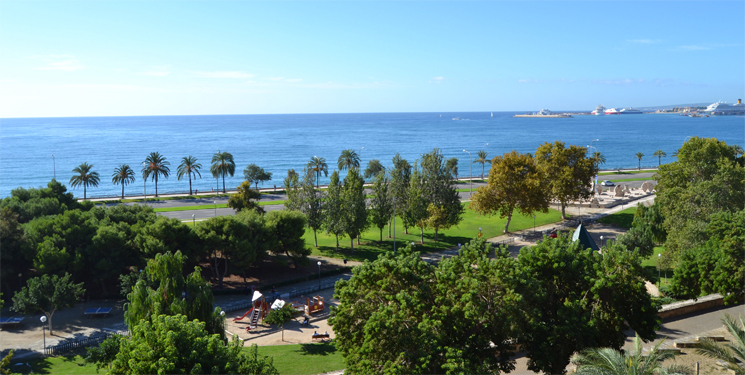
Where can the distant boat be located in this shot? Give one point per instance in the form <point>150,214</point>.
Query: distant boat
<point>492,114</point>
<point>456,118</point>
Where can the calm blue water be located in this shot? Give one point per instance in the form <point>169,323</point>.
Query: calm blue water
<point>280,142</point>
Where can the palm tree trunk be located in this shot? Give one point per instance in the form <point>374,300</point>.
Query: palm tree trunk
<point>84,191</point>
<point>156,184</point>
<point>223,183</point>
<point>318,180</point>
<point>122,190</point>
<point>190,193</point>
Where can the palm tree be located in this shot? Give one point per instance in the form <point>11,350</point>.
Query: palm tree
<point>731,355</point>
<point>348,160</point>
<point>155,165</point>
<point>222,164</point>
<point>482,159</point>
<point>318,165</point>
<point>84,177</point>
<point>608,361</point>
<point>659,154</point>
<point>639,156</point>
<point>189,167</point>
<point>599,158</point>
<point>737,149</point>
<point>123,175</point>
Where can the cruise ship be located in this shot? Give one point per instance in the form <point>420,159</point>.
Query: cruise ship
<point>599,110</point>
<point>722,108</point>
<point>630,111</point>
<point>612,111</point>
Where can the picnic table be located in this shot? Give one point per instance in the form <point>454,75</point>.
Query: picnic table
<point>98,311</point>
<point>10,322</point>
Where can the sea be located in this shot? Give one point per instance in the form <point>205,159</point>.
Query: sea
<point>35,150</point>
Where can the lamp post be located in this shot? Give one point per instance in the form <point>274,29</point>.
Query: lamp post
<point>43,320</point>
<point>215,202</point>
<point>596,165</point>
<point>534,225</point>
<point>54,165</point>
<point>193,220</point>
<point>601,242</point>
<point>471,173</point>
<point>485,144</point>
<point>319,275</point>
<point>144,184</point>
<point>480,232</point>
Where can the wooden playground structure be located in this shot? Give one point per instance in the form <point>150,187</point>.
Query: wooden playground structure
<point>318,304</point>
<point>257,312</point>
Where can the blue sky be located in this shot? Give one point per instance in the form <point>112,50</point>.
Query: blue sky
<point>125,58</point>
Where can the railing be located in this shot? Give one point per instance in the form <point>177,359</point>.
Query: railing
<point>76,344</point>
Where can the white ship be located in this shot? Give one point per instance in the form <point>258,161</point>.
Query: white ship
<point>599,111</point>
<point>612,111</point>
<point>630,111</point>
<point>722,108</point>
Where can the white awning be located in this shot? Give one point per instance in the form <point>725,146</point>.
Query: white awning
<point>278,304</point>
<point>257,295</point>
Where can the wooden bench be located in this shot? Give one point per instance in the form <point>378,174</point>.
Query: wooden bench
<point>320,336</point>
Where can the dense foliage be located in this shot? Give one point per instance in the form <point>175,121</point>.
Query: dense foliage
<point>47,295</point>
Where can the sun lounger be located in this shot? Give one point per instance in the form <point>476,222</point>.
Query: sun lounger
<point>10,322</point>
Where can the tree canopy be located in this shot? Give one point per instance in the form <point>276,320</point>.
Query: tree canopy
<point>256,175</point>
<point>568,171</point>
<point>48,295</point>
<point>245,198</point>
<point>84,177</point>
<point>155,166</point>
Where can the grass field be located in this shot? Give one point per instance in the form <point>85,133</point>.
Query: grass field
<point>303,359</point>
<point>626,172</point>
<point>622,218</point>
<point>464,232</point>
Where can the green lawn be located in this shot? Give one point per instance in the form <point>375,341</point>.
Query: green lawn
<point>626,172</point>
<point>304,359</point>
<point>464,232</point>
<point>622,218</point>
<point>209,206</point>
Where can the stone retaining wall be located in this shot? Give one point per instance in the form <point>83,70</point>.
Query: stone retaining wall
<point>692,305</point>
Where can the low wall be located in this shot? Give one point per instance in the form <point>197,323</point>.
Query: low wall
<point>692,305</point>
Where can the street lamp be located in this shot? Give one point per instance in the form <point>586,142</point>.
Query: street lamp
<point>319,275</point>
<point>54,165</point>
<point>601,242</point>
<point>471,176</point>
<point>193,220</point>
<point>43,320</point>
<point>480,232</point>
<point>215,202</point>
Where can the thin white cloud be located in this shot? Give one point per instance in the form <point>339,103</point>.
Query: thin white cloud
<point>67,65</point>
<point>693,48</point>
<point>644,41</point>
<point>436,80</point>
<point>224,74</point>
<point>158,71</point>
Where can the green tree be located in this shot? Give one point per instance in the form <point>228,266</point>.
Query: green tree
<point>155,165</point>
<point>318,165</point>
<point>730,356</point>
<point>515,183</point>
<point>354,206</point>
<point>167,234</point>
<point>32,203</point>
<point>609,361</point>
<point>163,290</point>
<point>452,165</point>
<point>438,188</point>
<point>222,164</point>
<point>737,150</point>
<point>639,156</point>
<point>598,158</point>
<point>482,158</point>
<point>280,316</point>
<point>568,171</point>
<point>245,198</point>
<point>374,167</point>
<point>334,208</point>
<point>5,364</point>
<point>255,175</point>
<point>287,229</point>
<point>402,315</point>
<point>190,168</point>
<point>48,295</point>
<point>294,200</point>
<point>580,299</point>
<point>659,154</point>
<point>348,160</point>
<point>176,345</point>
<point>13,258</point>
<point>84,177</point>
<point>123,175</point>
<point>381,204</point>
<point>105,353</point>
<point>312,205</point>
<point>400,178</point>
<point>416,213</point>
<point>227,240</point>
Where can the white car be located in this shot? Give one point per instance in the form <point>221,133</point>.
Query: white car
<point>607,183</point>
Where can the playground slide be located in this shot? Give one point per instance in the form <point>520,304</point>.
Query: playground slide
<point>244,315</point>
